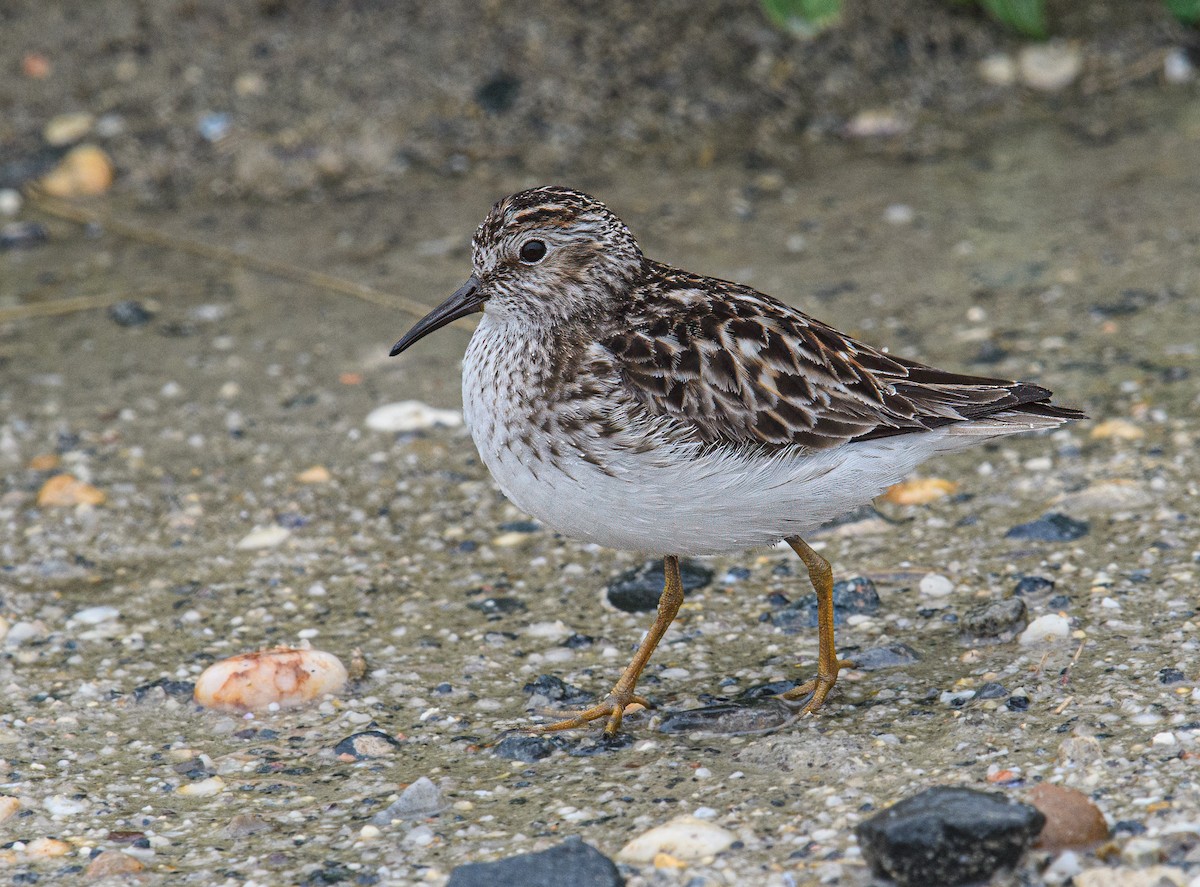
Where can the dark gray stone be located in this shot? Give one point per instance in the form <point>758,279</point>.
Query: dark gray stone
<point>1029,586</point>
<point>996,619</point>
<point>525,748</point>
<point>571,862</point>
<point>891,656</point>
<point>129,313</point>
<point>546,690</point>
<point>850,596</point>
<point>948,836</point>
<point>638,590</point>
<point>1052,527</point>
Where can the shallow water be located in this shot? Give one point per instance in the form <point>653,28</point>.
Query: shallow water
<point>1045,256</point>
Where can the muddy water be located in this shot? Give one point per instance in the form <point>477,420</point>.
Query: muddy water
<point>1045,256</point>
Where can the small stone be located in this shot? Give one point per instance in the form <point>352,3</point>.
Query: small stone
<point>890,656</point>
<point>1123,876</point>
<point>876,124</point>
<point>525,748</point>
<point>684,837</point>
<point>112,863</point>
<point>851,597</point>
<point>411,415</point>
<point>96,615</point>
<point>919,491</point>
<point>318,474</point>
<point>205,788</point>
<point>992,690</point>
<point>63,490</point>
<point>935,585</point>
<point>420,800</point>
<point>638,590</point>
<point>498,94</point>
<point>996,619</point>
<point>730,718</point>
<point>1052,527</point>
<point>1079,751</point>
<point>1050,66</point>
<point>1171,676</point>
<point>1106,496</point>
<point>47,848</point>
<point>85,171</point>
<point>998,69</point>
<point>8,806</point>
<point>947,836</point>
<point>1073,822</point>
<point>1178,67</point>
<point>66,129</point>
<point>368,744</point>
<point>1032,586</point>
<point>129,313</point>
<point>246,824</point>
<point>571,862</point>
<point>1049,628</point>
<point>899,214</point>
<point>263,537</point>
<point>1117,429</point>
<point>62,805</point>
<point>1142,851</point>
<point>10,201</point>
<point>268,679</point>
<point>22,235</point>
<point>547,690</point>
<point>1166,739</point>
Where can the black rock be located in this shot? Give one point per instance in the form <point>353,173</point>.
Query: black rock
<point>180,690</point>
<point>992,690</point>
<point>850,596</point>
<point>1018,703</point>
<point>638,590</point>
<point>1052,527</point>
<point>129,313</point>
<point>521,747</point>
<point>885,657</point>
<point>1170,676</point>
<point>557,691</point>
<point>729,718</point>
<point>995,619</point>
<point>495,607</point>
<point>571,862</point>
<point>498,94</point>
<point>521,526</point>
<point>948,836</point>
<point>367,744</point>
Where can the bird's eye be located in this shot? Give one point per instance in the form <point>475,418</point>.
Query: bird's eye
<point>532,251</point>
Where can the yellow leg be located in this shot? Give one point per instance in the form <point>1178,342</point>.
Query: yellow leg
<point>621,695</point>
<point>828,664</point>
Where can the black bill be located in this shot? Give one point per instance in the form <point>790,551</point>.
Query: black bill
<point>467,299</point>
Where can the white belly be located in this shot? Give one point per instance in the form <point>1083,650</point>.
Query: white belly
<point>680,501</point>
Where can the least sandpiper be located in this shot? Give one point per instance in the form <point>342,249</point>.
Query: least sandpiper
<point>628,403</point>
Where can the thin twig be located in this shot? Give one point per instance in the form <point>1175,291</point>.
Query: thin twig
<point>59,306</point>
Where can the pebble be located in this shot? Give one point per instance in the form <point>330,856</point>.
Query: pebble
<point>1107,496</point>
<point>110,863</point>
<point>876,124</point>
<point>730,718</point>
<point>1073,822</point>
<point>947,836</point>
<point>130,313</point>
<point>1049,67</point>
<point>368,744</point>
<point>47,848</point>
<point>204,788</point>
<point>684,837</point>
<point>1052,527</point>
<point>267,679</point>
<point>67,129</point>
<point>998,69</point>
<point>22,235</point>
<point>899,214</point>
<point>1117,429</point>
<point>524,748</point>
<point>571,862</point>
<point>10,201</point>
<point>4,626</point>
<point>411,415</point>
<point>95,615</point>
<point>1178,68</point>
<point>64,490</point>
<point>85,171</point>
<point>1122,876</point>
<point>856,596</point>
<point>550,691</point>
<point>1166,739</point>
<point>61,805</point>
<point>1048,628</point>
<point>638,590</point>
<point>8,806</point>
<point>318,474</point>
<point>919,491</point>
<point>263,537</point>
<point>1079,751</point>
<point>935,585</point>
<point>996,619</point>
<point>890,656</point>
<point>420,800</point>
<point>1032,586</point>
<point>1141,851</point>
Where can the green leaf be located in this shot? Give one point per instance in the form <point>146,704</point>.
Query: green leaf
<point>1185,10</point>
<point>803,17</point>
<point>1026,16</point>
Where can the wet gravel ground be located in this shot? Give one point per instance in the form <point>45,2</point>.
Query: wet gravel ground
<point>1044,256</point>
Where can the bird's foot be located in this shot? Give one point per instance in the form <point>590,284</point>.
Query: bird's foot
<point>816,689</point>
<point>611,707</point>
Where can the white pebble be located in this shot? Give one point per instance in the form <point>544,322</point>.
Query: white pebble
<point>411,415</point>
<point>263,537</point>
<point>998,69</point>
<point>899,214</point>
<point>279,678</point>
<point>1165,738</point>
<point>935,585</point>
<point>10,201</point>
<point>95,615</point>
<point>1178,68</point>
<point>1050,627</point>
<point>684,837</point>
<point>1049,67</point>
<point>61,805</point>
<point>205,788</point>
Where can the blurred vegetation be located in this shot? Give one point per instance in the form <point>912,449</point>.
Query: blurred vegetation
<point>1027,17</point>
